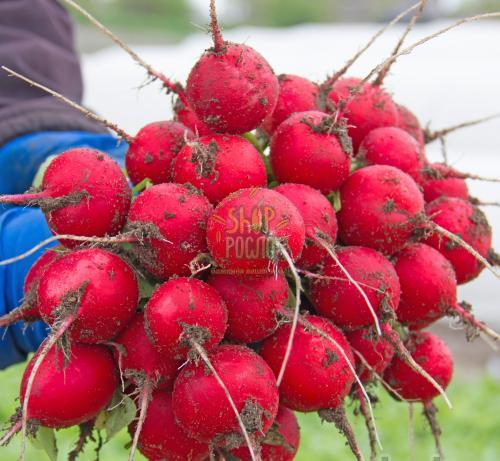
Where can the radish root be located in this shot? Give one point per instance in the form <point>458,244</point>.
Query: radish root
<point>379,80</point>
<point>215,29</point>
<point>112,126</point>
<point>411,431</point>
<point>468,319</point>
<point>201,352</point>
<point>430,136</point>
<point>338,417</point>
<point>430,412</point>
<point>296,311</point>
<point>79,238</point>
<point>369,426</point>
<point>459,241</point>
<point>327,85</point>
<point>170,86</point>
<point>334,256</point>
<point>144,399</point>
<point>405,355</point>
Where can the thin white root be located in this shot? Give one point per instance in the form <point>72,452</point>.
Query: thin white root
<point>410,361</point>
<point>78,238</point>
<point>296,311</point>
<point>321,333</point>
<point>331,81</point>
<point>385,70</point>
<point>410,48</point>
<point>379,378</point>
<point>334,256</point>
<point>144,398</point>
<point>112,126</point>
<point>456,239</point>
<point>201,352</point>
<point>153,73</point>
<point>47,345</point>
<point>438,134</point>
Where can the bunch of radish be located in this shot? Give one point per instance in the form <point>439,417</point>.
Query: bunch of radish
<point>283,246</point>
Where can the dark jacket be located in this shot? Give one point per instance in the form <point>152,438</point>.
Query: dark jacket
<point>36,39</point>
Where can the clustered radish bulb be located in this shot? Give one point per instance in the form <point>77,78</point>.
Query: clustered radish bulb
<point>286,243</point>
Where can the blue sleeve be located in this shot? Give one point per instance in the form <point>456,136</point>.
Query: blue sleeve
<point>22,228</point>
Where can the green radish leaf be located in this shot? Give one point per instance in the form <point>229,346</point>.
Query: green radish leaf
<point>118,415</point>
<point>45,439</point>
<point>37,180</point>
<point>146,287</point>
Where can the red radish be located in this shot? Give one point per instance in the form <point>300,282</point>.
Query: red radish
<point>153,149</point>
<point>408,121</point>
<point>311,148</point>
<point>433,355</point>
<point>173,218</point>
<point>296,94</point>
<point>162,439</point>
<point>83,192</point>
<point>382,208</point>
<point>341,301</point>
<point>219,165</point>
<point>395,147</point>
<point>201,406</point>
<point>186,116</point>
<point>281,441</point>
<point>68,394</point>
<point>184,306</point>
<point>376,351</point>
<point>440,180</point>
<point>253,303</point>
<point>366,110</point>
<point>247,228</point>
<point>96,287</point>
<point>329,378</point>
<point>232,88</point>
<point>428,285</point>
<point>465,220</point>
<point>319,219</point>
<point>28,310</point>
<point>140,361</point>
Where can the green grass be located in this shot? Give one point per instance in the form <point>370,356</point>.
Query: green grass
<point>471,430</point>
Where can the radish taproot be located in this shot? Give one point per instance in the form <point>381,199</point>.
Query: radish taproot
<point>296,94</point>
<point>201,406</point>
<point>161,437</point>
<point>153,149</point>
<point>382,208</point>
<point>319,220</point>
<point>249,229</point>
<point>83,193</point>
<point>70,392</point>
<point>219,165</point>
<point>469,223</point>
<point>311,148</point>
<point>365,107</point>
<point>281,441</point>
<point>93,292</point>
<point>231,88</point>
<point>184,306</point>
<point>435,358</point>
<point>395,147</point>
<point>253,304</point>
<point>376,351</point>
<point>337,298</point>
<point>172,218</point>
<point>408,121</point>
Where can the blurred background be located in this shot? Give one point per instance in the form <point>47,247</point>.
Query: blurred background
<point>449,80</point>
<point>171,20</point>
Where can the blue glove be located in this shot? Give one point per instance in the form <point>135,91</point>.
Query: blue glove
<point>22,228</point>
